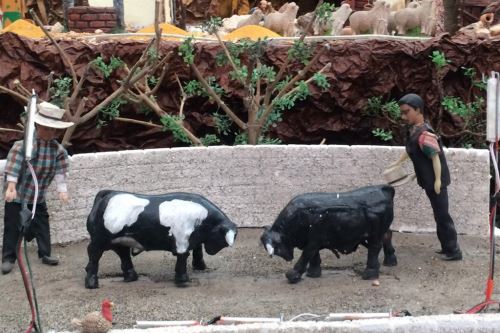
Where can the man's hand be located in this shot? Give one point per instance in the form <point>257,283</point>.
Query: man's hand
<point>437,186</point>
<point>64,197</point>
<point>10,193</point>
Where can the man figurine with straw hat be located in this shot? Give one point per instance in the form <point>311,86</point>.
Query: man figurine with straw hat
<point>49,161</point>
<point>425,150</point>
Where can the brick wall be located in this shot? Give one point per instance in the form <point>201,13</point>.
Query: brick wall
<point>251,184</point>
<point>89,19</point>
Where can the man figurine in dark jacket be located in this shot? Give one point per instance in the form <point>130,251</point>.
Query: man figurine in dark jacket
<point>425,150</point>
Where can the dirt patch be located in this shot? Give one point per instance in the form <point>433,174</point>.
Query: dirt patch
<point>244,281</point>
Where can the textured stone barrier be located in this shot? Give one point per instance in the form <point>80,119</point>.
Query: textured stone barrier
<point>253,183</point>
<point>429,324</point>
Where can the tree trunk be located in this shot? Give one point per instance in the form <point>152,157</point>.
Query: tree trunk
<point>450,15</point>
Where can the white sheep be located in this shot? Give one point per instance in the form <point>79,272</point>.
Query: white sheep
<point>373,21</point>
<point>411,18</point>
<point>253,19</point>
<point>283,23</point>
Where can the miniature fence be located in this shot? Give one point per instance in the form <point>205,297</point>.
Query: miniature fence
<point>253,183</point>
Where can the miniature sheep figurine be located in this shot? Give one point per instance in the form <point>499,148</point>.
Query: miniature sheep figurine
<point>395,5</point>
<point>371,21</point>
<point>338,19</point>
<point>283,23</point>
<point>410,18</point>
<point>391,25</point>
<point>253,19</point>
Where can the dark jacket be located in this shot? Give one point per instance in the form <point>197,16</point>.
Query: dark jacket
<point>423,164</point>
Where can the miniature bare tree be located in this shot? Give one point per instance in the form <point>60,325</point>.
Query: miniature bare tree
<point>67,91</point>
<point>267,93</point>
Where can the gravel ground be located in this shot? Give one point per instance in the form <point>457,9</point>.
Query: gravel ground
<point>244,281</point>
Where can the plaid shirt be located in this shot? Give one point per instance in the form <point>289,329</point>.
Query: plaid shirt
<point>49,159</point>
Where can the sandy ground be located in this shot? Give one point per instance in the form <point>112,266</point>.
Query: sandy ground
<point>244,281</point>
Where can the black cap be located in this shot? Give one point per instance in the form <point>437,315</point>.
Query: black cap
<point>413,100</point>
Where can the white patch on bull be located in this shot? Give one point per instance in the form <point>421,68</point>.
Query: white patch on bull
<point>181,217</point>
<point>270,249</point>
<point>230,237</point>
<point>338,195</point>
<point>123,210</point>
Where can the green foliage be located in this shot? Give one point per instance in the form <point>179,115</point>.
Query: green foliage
<point>107,69</point>
<point>301,51</point>
<point>321,81</point>
<point>110,111</point>
<point>240,74</point>
<point>222,123</point>
<point>171,123</point>
<point>471,74</point>
<point>152,81</point>
<point>382,134</point>
<point>210,140</point>
<point>152,54</point>
<point>415,32</point>
<point>263,72</point>
<point>60,90</point>
<point>324,12</point>
<point>144,109</point>
<point>241,139</point>
<point>194,88</point>
<point>287,102</point>
<point>186,50</point>
<point>458,107</point>
<point>439,59</point>
<point>213,25</point>
<point>376,108</point>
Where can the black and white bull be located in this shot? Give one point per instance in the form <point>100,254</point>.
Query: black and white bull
<point>176,222</point>
<point>334,221</point>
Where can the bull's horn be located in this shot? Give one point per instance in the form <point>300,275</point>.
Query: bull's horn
<point>270,249</point>
<point>230,237</point>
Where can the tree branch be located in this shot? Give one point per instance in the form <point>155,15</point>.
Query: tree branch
<point>216,97</point>
<point>63,54</point>
<point>14,94</point>
<point>269,109</point>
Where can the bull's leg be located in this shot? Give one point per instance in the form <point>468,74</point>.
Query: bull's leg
<point>198,262</point>
<point>389,256</point>
<point>295,274</point>
<point>129,274</point>
<point>372,265</point>
<point>181,275</point>
<point>95,252</point>
<point>314,269</point>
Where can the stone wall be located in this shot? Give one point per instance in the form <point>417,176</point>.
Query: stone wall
<point>89,19</point>
<point>253,183</point>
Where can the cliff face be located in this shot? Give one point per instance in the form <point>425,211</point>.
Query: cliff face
<point>360,70</point>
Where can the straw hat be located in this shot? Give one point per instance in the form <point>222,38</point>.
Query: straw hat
<point>396,176</point>
<point>50,115</point>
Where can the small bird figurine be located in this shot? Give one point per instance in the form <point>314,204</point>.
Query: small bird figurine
<point>96,322</point>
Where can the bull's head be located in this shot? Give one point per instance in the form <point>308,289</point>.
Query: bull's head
<point>220,236</point>
<point>275,244</point>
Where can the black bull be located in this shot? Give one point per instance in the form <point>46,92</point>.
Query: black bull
<point>194,221</point>
<point>334,221</point>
